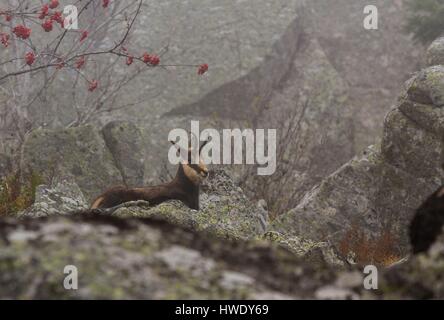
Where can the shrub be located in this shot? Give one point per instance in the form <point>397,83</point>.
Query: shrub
<point>380,250</point>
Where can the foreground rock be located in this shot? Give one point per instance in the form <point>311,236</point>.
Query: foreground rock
<point>151,259</point>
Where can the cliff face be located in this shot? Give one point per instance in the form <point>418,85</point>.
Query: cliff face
<point>381,188</point>
<point>374,63</point>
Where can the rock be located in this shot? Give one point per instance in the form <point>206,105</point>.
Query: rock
<point>151,259</point>
<point>427,87</point>
<point>80,152</point>
<point>411,148</point>
<point>5,165</point>
<point>224,211</point>
<point>62,197</point>
<point>366,192</point>
<point>124,141</point>
<point>435,53</point>
<point>380,190</point>
<point>374,64</point>
<point>140,259</point>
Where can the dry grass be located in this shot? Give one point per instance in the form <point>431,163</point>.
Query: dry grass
<point>381,250</point>
<point>17,192</point>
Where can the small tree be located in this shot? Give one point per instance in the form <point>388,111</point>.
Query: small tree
<point>425,19</point>
<point>44,61</point>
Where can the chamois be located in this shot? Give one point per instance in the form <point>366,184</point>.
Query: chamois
<point>184,187</point>
<point>427,222</point>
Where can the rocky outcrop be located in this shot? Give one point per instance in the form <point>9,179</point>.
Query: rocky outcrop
<point>62,197</point>
<point>151,259</point>
<point>124,140</point>
<point>381,189</point>
<point>434,53</point>
<point>79,152</point>
<point>374,63</point>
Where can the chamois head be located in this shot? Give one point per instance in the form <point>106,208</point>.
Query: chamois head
<point>195,171</point>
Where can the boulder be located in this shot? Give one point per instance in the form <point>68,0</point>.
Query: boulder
<point>63,197</point>
<point>124,141</point>
<point>80,152</point>
<point>435,53</point>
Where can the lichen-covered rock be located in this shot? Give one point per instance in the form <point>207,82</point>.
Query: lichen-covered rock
<point>150,259</point>
<point>435,53</point>
<point>427,87</point>
<point>62,197</point>
<point>79,152</point>
<point>124,141</point>
<point>366,192</point>
<point>142,259</point>
<point>225,211</point>
<point>412,148</point>
<point>381,189</point>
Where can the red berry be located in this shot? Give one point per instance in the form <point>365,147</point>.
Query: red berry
<point>47,25</point>
<point>30,58</point>
<point>129,60</point>
<point>58,17</point>
<point>146,58</point>
<point>54,4</point>
<point>93,85</point>
<point>44,12</point>
<point>80,62</point>
<point>22,32</point>
<point>8,17</point>
<point>4,39</point>
<point>84,35</point>
<point>155,60</point>
<point>105,3</point>
<point>202,69</point>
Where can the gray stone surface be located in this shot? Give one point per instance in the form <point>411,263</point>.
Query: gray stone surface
<point>62,197</point>
<point>374,63</point>
<point>79,152</point>
<point>152,259</point>
<point>381,189</point>
<point>435,53</point>
<point>124,141</point>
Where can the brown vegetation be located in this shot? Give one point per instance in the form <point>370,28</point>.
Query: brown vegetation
<point>17,192</point>
<point>380,250</point>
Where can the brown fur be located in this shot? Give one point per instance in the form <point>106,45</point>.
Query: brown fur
<point>184,187</point>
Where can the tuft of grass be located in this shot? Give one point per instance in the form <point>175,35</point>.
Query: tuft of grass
<point>17,192</point>
<point>380,250</point>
